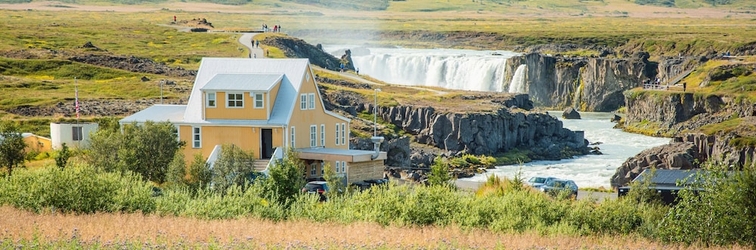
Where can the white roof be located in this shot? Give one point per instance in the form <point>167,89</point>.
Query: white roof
<point>158,112</point>
<point>292,69</point>
<point>242,82</point>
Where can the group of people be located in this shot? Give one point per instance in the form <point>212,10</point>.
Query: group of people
<point>656,84</point>
<point>276,28</point>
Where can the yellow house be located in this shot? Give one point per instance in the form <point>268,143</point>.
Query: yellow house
<point>37,143</point>
<point>264,106</point>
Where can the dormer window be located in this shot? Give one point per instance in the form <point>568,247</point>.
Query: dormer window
<point>211,100</point>
<point>259,101</point>
<point>235,100</point>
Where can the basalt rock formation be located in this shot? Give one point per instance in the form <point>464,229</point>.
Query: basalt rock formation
<point>298,48</point>
<point>593,83</point>
<point>687,152</point>
<point>674,112</point>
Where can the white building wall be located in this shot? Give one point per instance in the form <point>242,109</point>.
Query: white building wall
<point>63,133</point>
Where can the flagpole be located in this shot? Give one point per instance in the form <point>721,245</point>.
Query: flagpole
<point>76,89</point>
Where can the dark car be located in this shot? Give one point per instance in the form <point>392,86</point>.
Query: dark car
<point>555,186</point>
<point>317,187</point>
<point>538,181</point>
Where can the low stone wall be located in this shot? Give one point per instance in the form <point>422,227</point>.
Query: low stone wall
<point>361,171</point>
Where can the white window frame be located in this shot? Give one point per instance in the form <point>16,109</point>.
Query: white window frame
<point>322,168</point>
<point>307,76</point>
<point>208,100</point>
<point>337,134</point>
<point>259,99</point>
<point>343,167</point>
<point>313,136</point>
<point>293,137</point>
<point>228,100</point>
<point>338,168</point>
<point>77,133</point>
<point>322,135</point>
<point>311,101</point>
<point>313,169</point>
<point>196,137</point>
<point>343,133</point>
<point>303,102</point>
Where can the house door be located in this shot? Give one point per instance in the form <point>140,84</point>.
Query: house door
<point>267,144</point>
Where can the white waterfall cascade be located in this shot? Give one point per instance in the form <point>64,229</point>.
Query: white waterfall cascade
<point>446,68</point>
<point>518,80</point>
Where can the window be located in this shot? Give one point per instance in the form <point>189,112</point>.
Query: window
<point>313,136</point>
<point>343,167</point>
<point>322,135</point>
<point>76,134</point>
<point>307,76</point>
<point>322,168</point>
<point>211,100</point>
<point>338,167</point>
<point>343,134</point>
<point>303,102</point>
<point>259,101</point>
<point>235,100</point>
<point>293,144</point>
<point>337,134</point>
<point>311,101</point>
<point>196,137</point>
<point>313,169</point>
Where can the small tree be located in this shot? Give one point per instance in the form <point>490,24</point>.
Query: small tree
<point>176,176</point>
<point>200,175</point>
<point>11,147</point>
<point>146,149</point>
<point>233,167</point>
<point>285,180</point>
<point>61,159</point>
<point>439,174</point>
<point>334,180</point>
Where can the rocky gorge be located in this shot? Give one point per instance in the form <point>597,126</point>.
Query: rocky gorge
<point>592,83</point>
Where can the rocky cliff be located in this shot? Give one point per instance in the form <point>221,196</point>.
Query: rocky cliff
<point>298,48</point>
<point>592,83</point>
<point>674,112</point>
<point>688,151</point>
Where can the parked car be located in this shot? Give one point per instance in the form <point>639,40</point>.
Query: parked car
<point>538,181</point>
<point>555,186</point>
<point>366,184</point>
<point>317,187</point>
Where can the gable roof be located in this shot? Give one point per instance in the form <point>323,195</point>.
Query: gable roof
<point>242,82</point>
<point>292,69</point>
<point>669,177</point>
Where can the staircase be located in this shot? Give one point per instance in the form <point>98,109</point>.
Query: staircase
<point>261,164</point>
<point>679,77</point>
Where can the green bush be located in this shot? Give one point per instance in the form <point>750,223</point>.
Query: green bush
<point>78,189</point>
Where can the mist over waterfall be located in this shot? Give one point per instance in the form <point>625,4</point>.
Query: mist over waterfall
<point>518,80</point>
<point>446,68</point>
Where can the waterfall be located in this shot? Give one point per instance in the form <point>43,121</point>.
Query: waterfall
<point>518,80</point>
<point>446,68</point>
<point>578,93</point>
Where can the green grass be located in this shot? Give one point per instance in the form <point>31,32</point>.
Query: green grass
<point>513,156</point>
<point>724,127</point>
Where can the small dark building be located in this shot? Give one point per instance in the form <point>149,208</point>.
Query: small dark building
<point>665,182</point>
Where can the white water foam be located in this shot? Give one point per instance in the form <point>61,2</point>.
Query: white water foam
<point>589,170</point>
<point>518,80</point>
<point>446,68</point>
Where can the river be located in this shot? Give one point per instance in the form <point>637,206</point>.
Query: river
<point>590,170</point>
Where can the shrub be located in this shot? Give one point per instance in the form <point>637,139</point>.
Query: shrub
<point>79,189</point>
